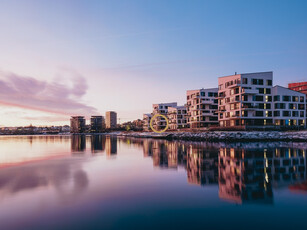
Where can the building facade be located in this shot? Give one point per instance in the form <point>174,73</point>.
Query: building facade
<point>146,121</point>
<point>97,124</point>
<point>111,119</point>
<point>245,99</point>
<point>177,117</point>
<point>159,123</point>
<point>202,106</point>
<point>289,107</point>
<point>299,87</point>
<point>302,88</point>
<point>77,124</point>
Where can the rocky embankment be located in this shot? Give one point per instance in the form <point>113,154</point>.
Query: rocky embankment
<point>225,136</point>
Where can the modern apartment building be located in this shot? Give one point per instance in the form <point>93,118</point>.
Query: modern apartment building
<point>177,117</point>
<point>302,88</point>
<point>77,124</point>
<point>111,119</point>
<point>251,100</point>
<point>245,99</point>
<point>202,105</point>
<point>97,124</point>
<point>289,107</point>
<point>299,87</point>
<point>160,123</point>
<point>146,121</point>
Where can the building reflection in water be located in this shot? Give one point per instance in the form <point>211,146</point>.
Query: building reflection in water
<point>98,143</point>
<point>111,145</point>
<point>78,143</point>
<point>245,173</point>
<point>202,164</point>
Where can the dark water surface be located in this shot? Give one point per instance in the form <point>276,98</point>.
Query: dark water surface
<point>108,182</point>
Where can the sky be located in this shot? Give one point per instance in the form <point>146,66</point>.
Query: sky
<point>63,58</point>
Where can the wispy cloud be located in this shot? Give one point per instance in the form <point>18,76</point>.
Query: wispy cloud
<point>52,97</point>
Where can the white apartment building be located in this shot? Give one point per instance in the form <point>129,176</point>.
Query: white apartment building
<point>146,121</point>
<point>160,123</point>
<point>202,106</point>
<point>245,99</point>
<point>177,117</point>
<point>289,107</point>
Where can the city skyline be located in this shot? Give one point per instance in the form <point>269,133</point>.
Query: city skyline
<point>73,58</point>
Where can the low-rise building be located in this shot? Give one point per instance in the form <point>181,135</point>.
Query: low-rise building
<point>202,106</point>
<point>146,121</point>
<point>177,117</point>
<point>159,123</point>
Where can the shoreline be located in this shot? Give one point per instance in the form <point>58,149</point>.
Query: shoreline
<point>224,136</point>
<point>208,136</point>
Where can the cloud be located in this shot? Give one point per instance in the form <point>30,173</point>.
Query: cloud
<point>52,97</point>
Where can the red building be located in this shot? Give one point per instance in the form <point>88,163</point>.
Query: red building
<point>299,86</point>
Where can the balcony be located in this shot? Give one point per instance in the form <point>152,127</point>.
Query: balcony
<point>234,85</point>
<point>250,91</point>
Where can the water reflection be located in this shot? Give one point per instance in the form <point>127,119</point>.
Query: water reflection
<point>78,143</point>
<point>98,143</point>
<point>244,172</point>
<point>62,175</point>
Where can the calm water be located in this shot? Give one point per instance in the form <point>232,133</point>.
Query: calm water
<point>105,182</point>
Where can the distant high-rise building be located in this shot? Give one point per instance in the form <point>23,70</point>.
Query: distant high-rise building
<point>77,124</point>
<point>111,119</point>
<point>97,124</point>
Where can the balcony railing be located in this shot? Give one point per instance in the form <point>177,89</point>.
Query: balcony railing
<point>250,91</point>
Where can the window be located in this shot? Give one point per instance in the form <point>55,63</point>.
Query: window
<point>261,90</point>
<point>244,98</point>
<point>280,106</point>
<point>286,98</point>
<point>245,81</point>
<point>244,114</point>
<point>259,114</point>
<point>294,98</point>
<point>202,94</point>
<point>286,114</point>
<point>301,99</point>
<point>268,98</point>
<point>269,82</point>
<point>268,113</point>
<point>301,106</point>
<point>267,91</point>
<point>276,113</point>
<point>254,81</point>
<point>294,113</point>
<point>301,113</point>
<point>277,98</point>
<point>257,98</point>
<point>267,106</point>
